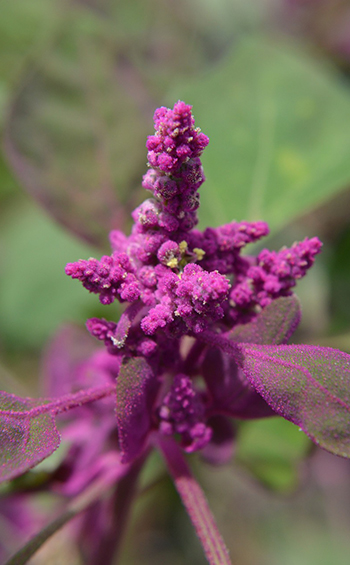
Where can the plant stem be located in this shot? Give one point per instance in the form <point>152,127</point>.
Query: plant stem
<point>195,503</point>
<point>93,493</point>
<point>109,548</point>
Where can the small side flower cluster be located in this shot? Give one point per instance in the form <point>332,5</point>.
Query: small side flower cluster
<point>181,282</point>
<point>273,274</point>
<point>111,277</point>
<point>183,412</point>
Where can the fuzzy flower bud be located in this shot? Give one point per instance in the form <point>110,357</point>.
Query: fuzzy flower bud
<point>111,277</point>
<point>195,298</point>
<point>176,139</point>
<point>183,412</point>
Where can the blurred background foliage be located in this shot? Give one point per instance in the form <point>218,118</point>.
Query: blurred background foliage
<point>269,83</point>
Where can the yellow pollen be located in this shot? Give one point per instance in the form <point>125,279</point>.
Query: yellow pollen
<point>172,263</point>
<point>199,252</point>
<point>183,247</point>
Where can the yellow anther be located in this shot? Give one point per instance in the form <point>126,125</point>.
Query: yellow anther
<point>183,247</point>
<point>172,263</point>
<point>199,252</point>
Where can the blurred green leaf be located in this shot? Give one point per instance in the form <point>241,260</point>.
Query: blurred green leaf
<point>36,296</point>
<point>278,141</point>
<point>75,137</point>
<point>77,125</point>
<point>271,450</point>
<point>339,271</point>
<point>24,28</point>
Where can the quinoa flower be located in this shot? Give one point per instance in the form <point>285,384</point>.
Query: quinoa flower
<point>201,342</point>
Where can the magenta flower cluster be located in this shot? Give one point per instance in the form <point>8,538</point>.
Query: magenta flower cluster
<point>201,343</point>
<point>180,281</point>
<point>183,412</point>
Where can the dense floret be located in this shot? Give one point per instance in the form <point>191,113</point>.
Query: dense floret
<point>180,281</point>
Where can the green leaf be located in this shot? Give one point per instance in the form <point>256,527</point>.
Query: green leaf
<point>339,278</point>
<point>36,296</point>
<point>76,128</point>
<point>24,28</point>
<point>271,450</point>
<point>278,145</point>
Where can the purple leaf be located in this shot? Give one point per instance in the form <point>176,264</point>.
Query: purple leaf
<point>306,384</point>
<point>28,433</point>
<point>273,325</point>
<point>25,440</point>
<point>62,357</point>
<point>230,389</point>
<point>136,389</point>
<point>125,322</point>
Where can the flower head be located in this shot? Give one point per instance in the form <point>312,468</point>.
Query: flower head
<point>183,282</point>
<point>200,344</point>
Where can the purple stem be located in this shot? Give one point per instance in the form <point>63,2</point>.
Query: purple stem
<point>64,403</point>
<point>193,358</point>
<point>226,345</point>
<point>109,548</point>
<point>93,493</point>
<point>195,503</point>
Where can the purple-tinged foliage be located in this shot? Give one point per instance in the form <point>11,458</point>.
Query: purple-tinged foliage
<point>201,341</point>
<point>308,385</point>
<point>230,390</point>
<point>273,325</point>
<point>136,389</point>
<point>28,434</point>
<point>28,431</point>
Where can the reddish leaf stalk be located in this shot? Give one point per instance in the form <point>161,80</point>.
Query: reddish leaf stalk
<point>195,503</point>
<point>64,403</point>
<point>93,493</point>
<point>111,543</point>
<point>227,346</point>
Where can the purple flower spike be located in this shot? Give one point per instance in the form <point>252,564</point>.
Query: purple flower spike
<point>202,340</point>
<point>195,298</point>
<point>181,282</point>
<point>111,277</point>
<point>182,412</point>
<point>176,140</point>
<point>271,275</point>
<point>222,246</point>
